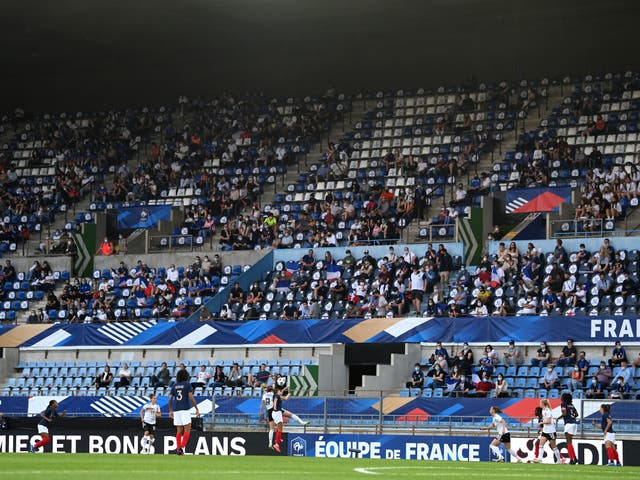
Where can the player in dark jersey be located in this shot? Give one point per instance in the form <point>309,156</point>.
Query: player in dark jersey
<point>606,423</point>
<point>277,415</point>
<point>570,416</point>
<point>282,381</point>
<point>46,418</point>
<point>180,401</point>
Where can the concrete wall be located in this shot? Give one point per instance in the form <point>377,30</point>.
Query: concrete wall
<point>393,376</point>
<point>377,251</point>
<point>58,263</point>
<point>245,257</point>
<point>211,355</point>
<point>333,374</point>
<point>8,362</point>
<point>594,353</point>
<point>573,244</point>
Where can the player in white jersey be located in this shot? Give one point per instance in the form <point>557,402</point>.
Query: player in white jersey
<point>148,415</point>
<point>502,435</point>
<point>267,406</point>
<point>549,432</point>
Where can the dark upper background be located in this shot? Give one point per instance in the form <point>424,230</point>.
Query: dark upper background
<point>90,54</point>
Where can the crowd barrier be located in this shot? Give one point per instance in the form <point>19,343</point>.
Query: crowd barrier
<point>154,334</point>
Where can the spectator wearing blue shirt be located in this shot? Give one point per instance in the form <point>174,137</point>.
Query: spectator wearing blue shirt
<point>417,377</point>
<point>618,355</point>
<point>550,301</point>
<point>261,377</point>
<point>583,364</point>
<point>620,389</point>
<point>439,351</point>
<point>595,389</point>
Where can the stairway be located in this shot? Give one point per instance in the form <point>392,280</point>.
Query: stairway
<point>392,377</point>
<point>531,122</point>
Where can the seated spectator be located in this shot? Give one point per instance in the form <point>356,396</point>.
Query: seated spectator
<point>543,356</point>
<point>491,353</point>
<point>261,377</point>
<point>235,377</point>
<point>162,378</point>
<point>512,354</point>
<point>219,378</point>
<point>620,389</point>
<point>603,282</point>
<point>417,377</point>
<point>463,388</point>
<point>124,377</point>
<point>467,352</point>
<point>618,355</point>
<point>583,364</point>
<point>484,386</point>
<point>550,301</point>
<point>308,261</point>
<point>529,306</point>
<point>594,388</point>
<point>438,377</point>
<point>550,379</point>
<point>104,378</point>
<point>502,389</point>
<point>626,372</point>
<point>290,311</point>
<point>462,363</point>
<point>568,356</point>
<point>576,381</point>
<point>486,364</point>
<point>604,374</point>
<point>439,351</point>
<point>236,294</point>
<point>202,377</point>
<point>629,286</point>
<point>479,309</point>
<point>33,317</point>
<point>636,362</point>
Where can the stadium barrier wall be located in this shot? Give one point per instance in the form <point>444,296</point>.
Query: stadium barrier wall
<point>447,448</point>
<point>571,244</point>
<point>117,436</point>
<point>583,329</point>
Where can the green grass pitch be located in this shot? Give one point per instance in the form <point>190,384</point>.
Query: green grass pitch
<point>154,467</point>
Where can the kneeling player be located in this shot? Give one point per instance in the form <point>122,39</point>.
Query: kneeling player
<point>148,415</point>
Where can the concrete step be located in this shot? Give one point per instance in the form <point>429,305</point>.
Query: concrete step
<point>531,122</point>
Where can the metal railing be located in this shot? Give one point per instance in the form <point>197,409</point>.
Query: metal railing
<point>593,227</point>
<point>178,243</point>
<point>410,423</point>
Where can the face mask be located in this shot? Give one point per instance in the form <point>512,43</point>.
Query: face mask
<point>417,369</point>
<point>549,370</point>
<point>437,368</point>
<point>462,379</point>
<point>541,346</point>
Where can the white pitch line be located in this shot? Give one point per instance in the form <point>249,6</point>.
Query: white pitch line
<point>207,472</point>
<point>429,471</point>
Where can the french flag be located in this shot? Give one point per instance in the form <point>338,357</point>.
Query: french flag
<point>283,285</point>
<point>292,267</point>
<point>333,272</point>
